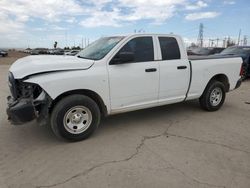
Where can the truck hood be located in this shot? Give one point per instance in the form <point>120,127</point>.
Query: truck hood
<point>47,63</point>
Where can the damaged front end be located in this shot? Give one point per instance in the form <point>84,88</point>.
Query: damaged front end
<point>28,101</point>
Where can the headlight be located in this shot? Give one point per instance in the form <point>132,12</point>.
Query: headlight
<point>12,85</point>
<point>18,88</point>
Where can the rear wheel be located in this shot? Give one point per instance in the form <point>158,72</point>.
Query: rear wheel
<point>75,117</point>
<point>213,97</point>
<point>244,71</point>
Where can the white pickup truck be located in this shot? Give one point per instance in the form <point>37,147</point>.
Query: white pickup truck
<point>114,75</point>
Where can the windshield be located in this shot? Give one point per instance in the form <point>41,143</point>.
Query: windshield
<point>235,50</point>
<point>100,48</point>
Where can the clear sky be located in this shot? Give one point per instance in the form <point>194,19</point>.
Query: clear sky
<point>27,23</point>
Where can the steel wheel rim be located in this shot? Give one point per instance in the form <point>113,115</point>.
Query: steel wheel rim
<point>77,119</point>
<point>216,96</point>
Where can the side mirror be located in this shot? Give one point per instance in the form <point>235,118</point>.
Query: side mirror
<point>123,57</point>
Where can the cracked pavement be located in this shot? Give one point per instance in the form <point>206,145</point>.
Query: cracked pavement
<point>171,146</point>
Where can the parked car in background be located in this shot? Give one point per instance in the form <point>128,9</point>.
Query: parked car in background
<point>190,49</point>
<point>72,52</point>
<point>244,53</point>
<point>34,52</point>
<point>58,51</point>
<point>51,51</point>
<point>43,50</point>
<point>205,51</point>
<point>3,53</point>
<point>28,50</point>
<point>66,51</point>
<point>38,51</point>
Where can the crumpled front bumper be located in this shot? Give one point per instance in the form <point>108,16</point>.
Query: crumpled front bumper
<point>20,111</point>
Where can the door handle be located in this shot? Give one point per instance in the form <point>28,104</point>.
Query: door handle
<point>151,70</point>
<point>181,67</point>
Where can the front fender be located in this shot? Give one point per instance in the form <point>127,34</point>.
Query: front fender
<point>57,83</point>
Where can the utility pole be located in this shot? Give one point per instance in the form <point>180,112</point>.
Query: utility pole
<point>200,35</point>
<point>66,39</point>
<point>228,41</point>
<point>245,40</point>
<point>212,45</point>
<point>217,42</point>
<point>211,42</point>
<point>239,37</point>
<point>224,42</point>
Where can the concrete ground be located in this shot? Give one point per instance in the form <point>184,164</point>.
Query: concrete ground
<point>176,146</point>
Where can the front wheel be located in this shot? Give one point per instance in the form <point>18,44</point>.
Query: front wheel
<point>213,97</point>
<point>75,117</point>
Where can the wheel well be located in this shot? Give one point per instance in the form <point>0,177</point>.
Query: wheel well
<point>223,79</point>
<point>91,94</point>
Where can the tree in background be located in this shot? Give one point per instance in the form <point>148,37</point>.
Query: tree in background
<point>76,48</point>
<point>55,44</point>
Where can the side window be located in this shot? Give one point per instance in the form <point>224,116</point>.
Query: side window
<point>141,47</point>
<point>169,48</point>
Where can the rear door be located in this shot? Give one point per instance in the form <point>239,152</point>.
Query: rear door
<point>174,70</point>
<point>135,85</point>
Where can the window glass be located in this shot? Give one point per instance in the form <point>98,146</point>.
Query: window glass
<point>100,48</point>
<point>142,47</point>
<point>169,48</point>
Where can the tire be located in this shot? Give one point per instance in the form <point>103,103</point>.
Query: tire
<point>75,118</point>
<point>213,97</point>
<point>245,71</point>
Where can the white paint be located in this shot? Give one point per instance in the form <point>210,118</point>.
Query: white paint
<point>127,87</point>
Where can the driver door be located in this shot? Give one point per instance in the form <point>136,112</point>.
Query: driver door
<point>134,84</point>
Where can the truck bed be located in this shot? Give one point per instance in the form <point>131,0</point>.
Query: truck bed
<point>203,68</point>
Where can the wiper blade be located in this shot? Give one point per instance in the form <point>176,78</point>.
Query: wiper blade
<point>228,54</point>
<point>80,57</point>
<point>85,57</point>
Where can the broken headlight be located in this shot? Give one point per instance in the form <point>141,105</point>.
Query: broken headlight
<point>12,85</point>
